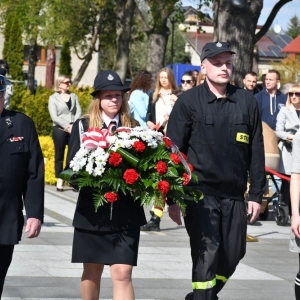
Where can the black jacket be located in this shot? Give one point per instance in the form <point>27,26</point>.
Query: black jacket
<point>222,139</point>
<point>21,175</point>
<point>127,213</point>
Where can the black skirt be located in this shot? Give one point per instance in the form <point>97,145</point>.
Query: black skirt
<point>106,247</point>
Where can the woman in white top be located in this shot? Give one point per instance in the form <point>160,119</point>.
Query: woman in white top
<point>162,101</point>
<point>287,124</point>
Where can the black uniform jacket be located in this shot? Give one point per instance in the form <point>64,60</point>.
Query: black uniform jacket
<point>126,214</point>
<point>21,175</point>
<point>222,139</point>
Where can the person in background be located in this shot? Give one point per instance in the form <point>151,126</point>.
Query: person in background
<point>139,96</point>
<point>21,181</point>
<point>195,74</point>
<point>163,100</point>
<point>286,87</point>
<point>287,125</point>
<point>218,127</point>
<point>98,239</point>
<point>250,81</point>
<point>270,99</point>
<point>188,81</point>
<point>64,109</point>
<point>4,69</point>
<point>159,109</point>
<point>261,85</point>
<point>295,199</point>
<point>201,78</point>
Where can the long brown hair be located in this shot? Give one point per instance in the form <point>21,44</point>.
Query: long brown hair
<point>171,79</point>
<point>95,112</point>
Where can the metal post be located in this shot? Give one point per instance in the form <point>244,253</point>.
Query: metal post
<point>172,42</point>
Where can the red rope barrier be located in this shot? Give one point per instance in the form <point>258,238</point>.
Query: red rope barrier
<point>269,170</point>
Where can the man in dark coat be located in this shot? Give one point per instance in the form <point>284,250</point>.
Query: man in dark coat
<point>21,181</point>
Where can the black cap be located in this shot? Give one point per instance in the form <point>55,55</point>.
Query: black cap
<point>108,81</point>
<point>215,48</point>
<point>2,83</point>
<point>3,71</point>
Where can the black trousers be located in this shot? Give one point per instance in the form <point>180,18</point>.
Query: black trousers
<point>217,230</point>
<point>6,253</point>
<point>61,140</point>
<point>285,193</point>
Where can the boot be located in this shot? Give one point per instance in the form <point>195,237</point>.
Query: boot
<point>152,225</point>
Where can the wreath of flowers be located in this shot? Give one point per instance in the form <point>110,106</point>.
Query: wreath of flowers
<point>135,161</point>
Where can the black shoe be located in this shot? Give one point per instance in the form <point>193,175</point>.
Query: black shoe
<point>152,225</point>
<point>59,190</point>
<point>189,296</point>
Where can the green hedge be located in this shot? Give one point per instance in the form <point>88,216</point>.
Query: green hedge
<point>36,106</point>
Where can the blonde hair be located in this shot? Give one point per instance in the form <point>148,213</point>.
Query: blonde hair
<point>171,80</point>
<point>200,78</point>
<point>59,80</point>
<point>94,114</point>
<point>295,88</point>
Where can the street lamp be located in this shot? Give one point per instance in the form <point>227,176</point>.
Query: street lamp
<point>173,21</point>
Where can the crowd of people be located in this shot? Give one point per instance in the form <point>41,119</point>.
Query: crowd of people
<point>214,123</point>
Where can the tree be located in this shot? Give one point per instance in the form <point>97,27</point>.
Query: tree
<point>157,30</point>
<point>293,29</point>
<point>92,18</point>
<point>125,12</point>
<point>13,50</point>
<point>65,59</point>
<point>289,69</point>
<point>180,56</point>
<point>235,22</point>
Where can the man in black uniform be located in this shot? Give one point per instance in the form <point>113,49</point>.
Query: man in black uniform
<point>217,125</point>
<point>21,181</point>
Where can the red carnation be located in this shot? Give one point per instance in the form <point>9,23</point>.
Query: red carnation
<point>186,179</point>
<point>161,167</point>
<point>139,146</point>
<point>163,186</point>
<point>130,176</point>
<point>115,159</point>
<point>175,158</point>
<point>111,197</point>
<point>184,156</point>
<point>168,142</point>
<point>191,167</point>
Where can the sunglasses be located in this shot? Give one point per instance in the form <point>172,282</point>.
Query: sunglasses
<point>186,81</point>
<point>67,82</point>
<point>291,94</point>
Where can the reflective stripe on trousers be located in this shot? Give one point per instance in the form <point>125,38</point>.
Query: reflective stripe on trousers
<point>208,284</point>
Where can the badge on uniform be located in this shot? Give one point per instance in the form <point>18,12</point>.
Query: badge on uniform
<point>8,122</point>
<point>242,137</point>
<point>16,139</point>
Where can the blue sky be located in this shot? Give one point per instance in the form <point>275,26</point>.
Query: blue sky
<point>283,17</point>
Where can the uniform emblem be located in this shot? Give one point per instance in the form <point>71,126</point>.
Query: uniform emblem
<point>219,44</point>
<point>110,77</point>
<point>242,137</point>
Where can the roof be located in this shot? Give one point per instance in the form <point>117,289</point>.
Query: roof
<point>270,45</point>
<point>293,47</point>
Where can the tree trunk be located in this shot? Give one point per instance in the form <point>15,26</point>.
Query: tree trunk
<point>50,67</point>
<point>125,12</point>
<point>32,59</point>
<point>156,53</point>
<point>238,31</point>
<point>89,55</point>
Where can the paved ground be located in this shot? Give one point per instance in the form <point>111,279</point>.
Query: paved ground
<point>41,268</point>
